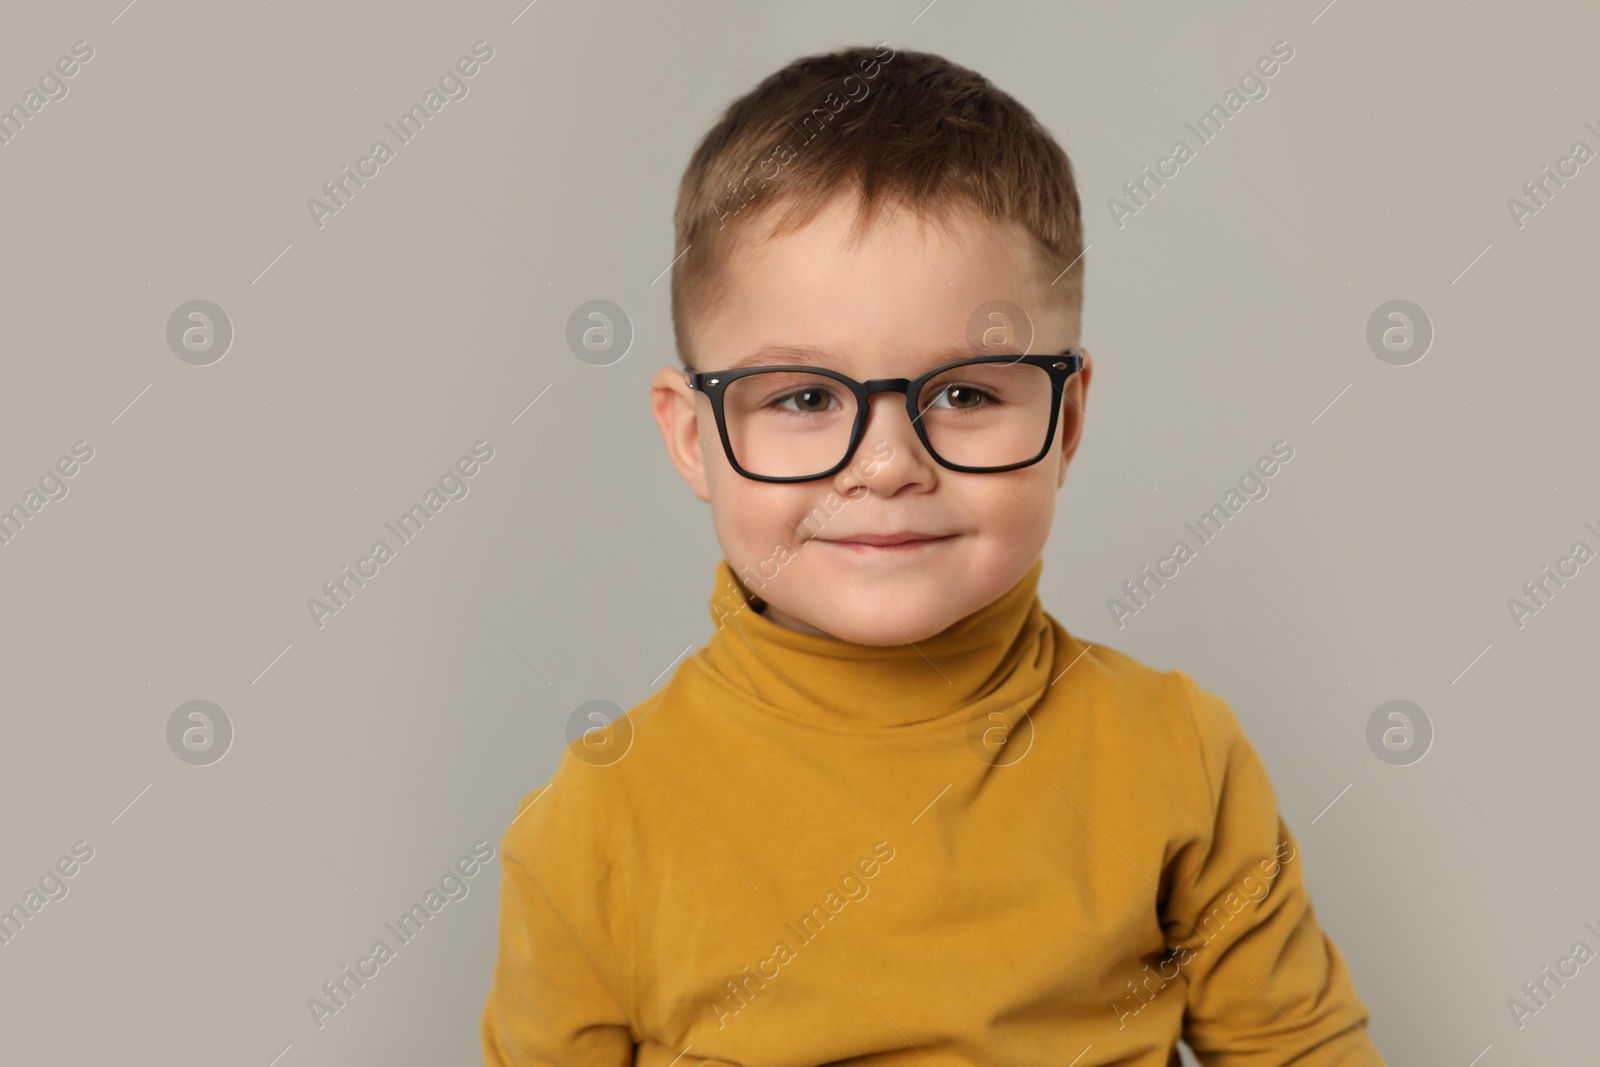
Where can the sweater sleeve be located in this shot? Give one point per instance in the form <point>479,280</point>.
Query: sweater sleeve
<point>1266,987</point>
<point>558,990</point>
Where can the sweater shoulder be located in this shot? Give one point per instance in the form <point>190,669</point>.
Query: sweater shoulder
<point>1163,710</point>
<point>585,803</point>
<point>610,760</point>
<point>569,812</point>
<point>1111,673</point>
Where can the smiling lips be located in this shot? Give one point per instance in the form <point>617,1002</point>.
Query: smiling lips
<point>907,541</point>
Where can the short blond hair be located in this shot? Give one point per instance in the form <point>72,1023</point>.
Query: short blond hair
<point>906,127</point>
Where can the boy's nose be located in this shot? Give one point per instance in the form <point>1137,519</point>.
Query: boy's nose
<point>889,422</point>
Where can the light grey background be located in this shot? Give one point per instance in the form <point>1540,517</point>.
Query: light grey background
<point>368,755</point>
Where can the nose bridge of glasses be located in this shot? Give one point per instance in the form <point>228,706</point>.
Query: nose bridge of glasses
<point>876,386</point>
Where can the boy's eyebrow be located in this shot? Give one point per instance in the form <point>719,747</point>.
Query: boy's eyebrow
<point>776,355</point>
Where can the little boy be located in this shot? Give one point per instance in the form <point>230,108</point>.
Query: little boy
<point>893,812</point>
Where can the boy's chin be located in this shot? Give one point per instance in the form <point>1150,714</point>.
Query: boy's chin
<point>874,621</point>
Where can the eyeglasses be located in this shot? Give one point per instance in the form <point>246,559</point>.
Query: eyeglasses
<point>800,423</point>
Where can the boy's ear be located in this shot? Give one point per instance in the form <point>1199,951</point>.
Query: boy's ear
<point>677,413</point>
<point>1075,398</point>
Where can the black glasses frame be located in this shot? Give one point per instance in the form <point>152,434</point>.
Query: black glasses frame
<point>713,383</point>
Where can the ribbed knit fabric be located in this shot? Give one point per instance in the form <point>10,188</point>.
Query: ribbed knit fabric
<point>996,846</point>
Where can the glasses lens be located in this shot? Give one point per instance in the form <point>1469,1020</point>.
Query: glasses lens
<point>788,424</point>
<point>987,414</point>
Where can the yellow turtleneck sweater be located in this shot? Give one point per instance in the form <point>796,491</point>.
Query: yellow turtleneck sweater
<point>997,846</point>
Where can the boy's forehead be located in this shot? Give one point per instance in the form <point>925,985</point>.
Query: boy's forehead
<point>891,300</point>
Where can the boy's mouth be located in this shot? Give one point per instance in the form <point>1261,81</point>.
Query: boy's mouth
<point>904,541</point>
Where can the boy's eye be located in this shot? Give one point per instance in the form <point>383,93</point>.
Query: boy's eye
<point>960,397</point>
<point>807,401</point>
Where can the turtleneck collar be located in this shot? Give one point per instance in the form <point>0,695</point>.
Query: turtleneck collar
<point>999,655</point>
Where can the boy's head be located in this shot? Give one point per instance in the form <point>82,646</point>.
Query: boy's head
<point>876,213</point>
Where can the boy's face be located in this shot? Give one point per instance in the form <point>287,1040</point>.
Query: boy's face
<point>892,306</point>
